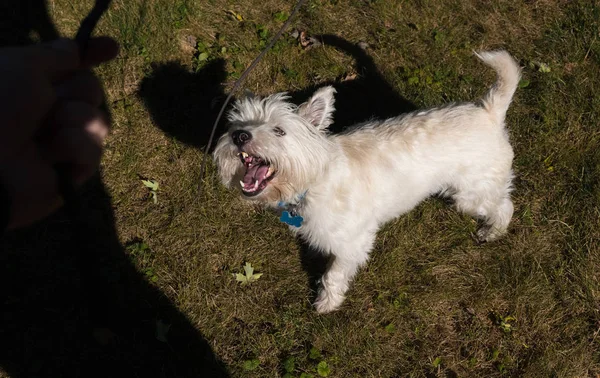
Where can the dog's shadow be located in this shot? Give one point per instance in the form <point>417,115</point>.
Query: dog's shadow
<point>357,100</point>
<point>185,105</point>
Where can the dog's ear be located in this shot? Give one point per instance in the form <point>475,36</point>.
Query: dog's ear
<point>318,110</point>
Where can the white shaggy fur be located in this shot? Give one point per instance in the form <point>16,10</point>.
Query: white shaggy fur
<point>374,172</point>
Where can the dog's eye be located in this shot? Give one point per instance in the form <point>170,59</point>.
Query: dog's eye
<point>278,131</point>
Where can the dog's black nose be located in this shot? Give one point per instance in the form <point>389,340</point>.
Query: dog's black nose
<point>240,137</point>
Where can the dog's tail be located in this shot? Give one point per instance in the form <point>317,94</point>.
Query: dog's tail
<point>498,98</point>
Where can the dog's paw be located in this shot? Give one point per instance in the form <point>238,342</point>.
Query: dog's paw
<point>328,302</point>
<point>488,233</point>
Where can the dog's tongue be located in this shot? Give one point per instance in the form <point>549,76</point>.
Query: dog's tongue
<point>254,173</point>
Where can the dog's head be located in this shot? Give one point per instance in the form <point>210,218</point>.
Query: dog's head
<point>274,150</point>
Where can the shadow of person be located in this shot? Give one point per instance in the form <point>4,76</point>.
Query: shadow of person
<point>103,319</point>
<point>51,327</point>
<point>182,104</point>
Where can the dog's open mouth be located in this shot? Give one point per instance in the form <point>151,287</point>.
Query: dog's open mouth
<point>258,174</point>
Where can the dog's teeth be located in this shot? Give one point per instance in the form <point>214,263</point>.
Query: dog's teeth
<point>244,155</point>
<point>242,183</point>
<point>255,184</point>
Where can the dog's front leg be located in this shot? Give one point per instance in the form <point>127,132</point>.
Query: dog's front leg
<point>342,269</point>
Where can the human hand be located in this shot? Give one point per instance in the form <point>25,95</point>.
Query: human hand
<point>49,113</point>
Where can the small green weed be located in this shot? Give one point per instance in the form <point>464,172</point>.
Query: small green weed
<point>503,322</point>
<point>439,36</point>
<point>524,83</point>
<point>314,354</point>
<point>179,14</point>
<point>137,248</point>
<point>263,35</point>
<point>401,302</point>
<point>206,52</point>
<point>289,366</point>
<point>323,369</point>
<point>150,274</point>
<point>290,73</point>
<point>390,328</point>
<point>281,16</point>
<point>250,365</point>
<point>142,255</point>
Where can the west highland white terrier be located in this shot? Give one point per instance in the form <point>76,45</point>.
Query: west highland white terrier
<point>335,191</point>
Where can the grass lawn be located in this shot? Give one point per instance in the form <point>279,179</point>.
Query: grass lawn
<point>430,303</point>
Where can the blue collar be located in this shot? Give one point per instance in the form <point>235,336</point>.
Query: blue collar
<point>290,214</point>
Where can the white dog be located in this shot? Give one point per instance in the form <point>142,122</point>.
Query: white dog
<point>335,191</point>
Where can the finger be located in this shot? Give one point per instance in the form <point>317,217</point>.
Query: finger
<point>100,50</point>
<point>82,86</point>
<point>78,142</point>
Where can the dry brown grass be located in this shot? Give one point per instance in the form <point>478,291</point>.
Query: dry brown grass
<point>444,295</point>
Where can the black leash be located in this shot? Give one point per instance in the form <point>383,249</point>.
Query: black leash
<point>89,24</point>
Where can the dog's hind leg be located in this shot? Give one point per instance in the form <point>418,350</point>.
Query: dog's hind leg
<point>342,269</point>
